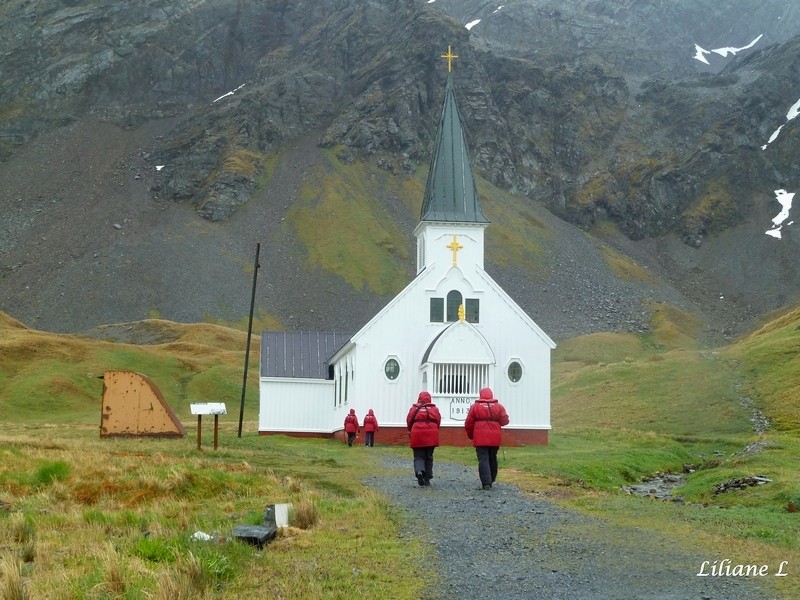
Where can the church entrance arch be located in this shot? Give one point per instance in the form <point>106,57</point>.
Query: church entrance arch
<point>455,367</point>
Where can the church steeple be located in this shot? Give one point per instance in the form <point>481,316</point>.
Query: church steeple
<point>450,193</point>
<point>451,223</point>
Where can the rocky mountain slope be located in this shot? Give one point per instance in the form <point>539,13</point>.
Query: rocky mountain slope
<point>147,148</point>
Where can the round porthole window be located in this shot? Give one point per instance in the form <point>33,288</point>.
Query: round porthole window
<point>391,369</point>
<point>514,372</point>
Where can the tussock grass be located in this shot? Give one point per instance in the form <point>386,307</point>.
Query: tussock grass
<point>360,242</point>
<point>21,528</point>
<point>624,267</point>
<point>673,328</point>
<point>714,209</point>
<point>11,584</point>
<point>23,534</point>
<point>60,376</point>
<point>304,515</point>
<point>624,407</point>
<point>680,392</point>
<point>770,361</point>
<point>179,585</point>
<point>123,518</point>
<point>518,235</point>
<point>597,349</point>
<point>113,578</point>
<point>243,162</point>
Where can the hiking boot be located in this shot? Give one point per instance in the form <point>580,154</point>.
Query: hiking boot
<point>421,478</point>
<point>487,486</point>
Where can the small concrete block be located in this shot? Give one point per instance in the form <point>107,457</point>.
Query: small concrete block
<point>255,535</point>
<point>276,515</point>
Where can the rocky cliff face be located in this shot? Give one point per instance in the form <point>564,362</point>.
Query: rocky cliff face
<point>596,110</point>
<point>570,103</point>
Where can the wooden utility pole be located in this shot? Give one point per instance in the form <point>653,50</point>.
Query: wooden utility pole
<point>249,335</point>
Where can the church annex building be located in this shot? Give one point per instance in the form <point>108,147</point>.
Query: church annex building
<point>451,331</point>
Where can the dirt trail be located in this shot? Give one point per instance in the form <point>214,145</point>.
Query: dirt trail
<point>506,544</point>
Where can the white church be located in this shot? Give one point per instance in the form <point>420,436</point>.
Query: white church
<point>451,331</point>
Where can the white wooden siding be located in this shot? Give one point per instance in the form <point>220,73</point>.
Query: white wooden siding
<point>402,330</point>
<point>301,405</point>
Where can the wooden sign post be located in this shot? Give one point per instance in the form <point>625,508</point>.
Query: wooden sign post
<point>208,408</point>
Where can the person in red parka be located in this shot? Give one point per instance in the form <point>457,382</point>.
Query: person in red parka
<point>351,426</point>
<point>484,421</point>
<point>423,422</point>
<point>370,427</point>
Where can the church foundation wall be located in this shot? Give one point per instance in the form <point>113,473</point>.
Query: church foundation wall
<point>448,436</point>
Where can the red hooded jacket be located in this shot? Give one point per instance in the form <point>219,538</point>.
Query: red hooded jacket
<point>370,421</point>
<point>351,422</point>
<point>423,422</point>
<point>484,420</point>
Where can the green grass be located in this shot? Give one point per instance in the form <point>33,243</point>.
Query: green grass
<point>362,244</point>
<point>147,497</point>
<point>61,376</point>
<point>624,407</point>
<point>50,471</point>
<point>517,235</point>
<point>770,362</point>
<point>625,268</point>
<point>359,241</point>
<point>680,392</point>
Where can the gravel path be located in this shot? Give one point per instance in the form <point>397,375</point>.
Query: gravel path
<point>504,544</point>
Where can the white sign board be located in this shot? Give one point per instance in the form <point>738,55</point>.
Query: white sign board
<point>209,408</point>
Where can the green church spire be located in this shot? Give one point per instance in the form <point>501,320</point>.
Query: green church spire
<point>450,194</point>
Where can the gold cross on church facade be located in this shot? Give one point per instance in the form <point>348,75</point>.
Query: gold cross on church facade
<point>455,247</point>
<point>449,57</point>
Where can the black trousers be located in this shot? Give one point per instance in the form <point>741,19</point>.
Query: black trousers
<point>369,438</point>
<point>487,463</point>
<point>350,438</point>
<point>423,461</point>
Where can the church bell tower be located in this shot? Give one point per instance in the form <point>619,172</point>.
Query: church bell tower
<point>452,225</point>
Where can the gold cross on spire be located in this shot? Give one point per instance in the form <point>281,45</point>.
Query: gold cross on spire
<point>450,57</point>
<point>455,247</point>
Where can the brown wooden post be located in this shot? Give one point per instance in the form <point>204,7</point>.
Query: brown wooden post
<point>208,408</point>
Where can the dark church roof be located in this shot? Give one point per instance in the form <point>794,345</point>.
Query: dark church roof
<point>301,354</point>
<point>450,194</point>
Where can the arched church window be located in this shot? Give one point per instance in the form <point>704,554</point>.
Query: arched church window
<point>391,369</point>
<point>514,372</point>
<point>454,300</point>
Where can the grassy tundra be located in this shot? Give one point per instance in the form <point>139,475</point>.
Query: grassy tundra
<point>82,517</point>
